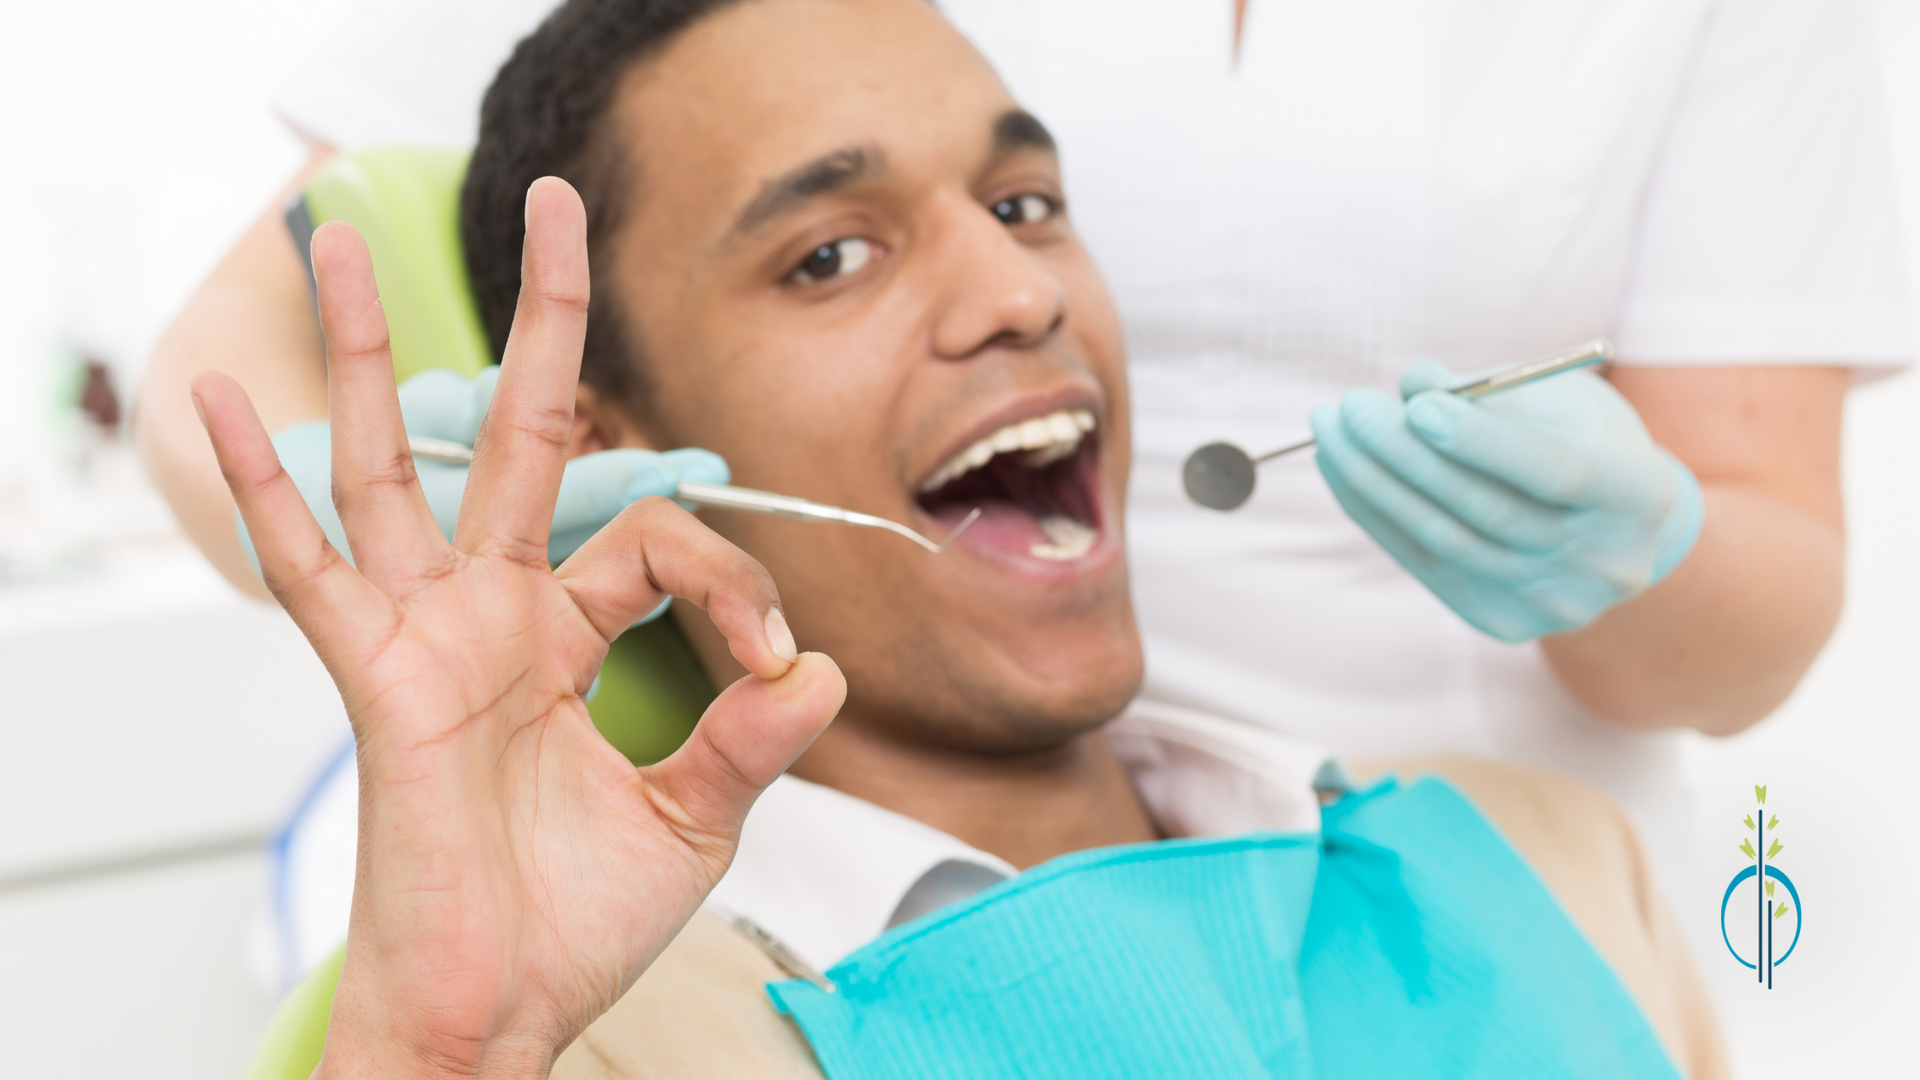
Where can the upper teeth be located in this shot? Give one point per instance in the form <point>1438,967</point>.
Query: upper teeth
<point>1051,438</point>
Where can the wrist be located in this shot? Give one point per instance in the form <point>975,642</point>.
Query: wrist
<point>385,1036</point>
<point>350,1058</point>
<point>1681,529</point>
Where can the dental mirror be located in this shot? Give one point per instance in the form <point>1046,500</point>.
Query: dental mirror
<point>732,498</point>
<point>1221,476</point>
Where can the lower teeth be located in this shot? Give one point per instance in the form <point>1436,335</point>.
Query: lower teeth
<point>1066,539</point>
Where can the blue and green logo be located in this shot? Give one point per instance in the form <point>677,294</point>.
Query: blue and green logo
<point>1768,908</point>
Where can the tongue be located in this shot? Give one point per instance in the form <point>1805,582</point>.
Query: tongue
<point>1004,525</point>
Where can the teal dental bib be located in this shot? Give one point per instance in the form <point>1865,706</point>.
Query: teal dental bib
<point>1407,940</point>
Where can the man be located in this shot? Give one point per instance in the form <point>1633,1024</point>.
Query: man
<point>827,244</point>
<point>1290,203</point>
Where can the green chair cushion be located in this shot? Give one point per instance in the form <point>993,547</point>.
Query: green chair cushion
<point>291,1046</point>
<point>405,200</point>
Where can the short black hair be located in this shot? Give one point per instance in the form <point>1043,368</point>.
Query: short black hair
<point>547,114</point>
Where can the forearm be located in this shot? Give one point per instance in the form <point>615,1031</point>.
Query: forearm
<point>1723,641</point>
<point>253,319</point>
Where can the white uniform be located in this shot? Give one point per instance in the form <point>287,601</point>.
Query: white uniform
<point>1365,185</point>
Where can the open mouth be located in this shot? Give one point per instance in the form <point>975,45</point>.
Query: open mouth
<point>1034,482</point>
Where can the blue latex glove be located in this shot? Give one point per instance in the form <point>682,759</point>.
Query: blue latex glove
<point>441,404</point>
<point>1527,512</point>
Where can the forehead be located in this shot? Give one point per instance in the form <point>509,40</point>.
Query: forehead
<point>761,86</point>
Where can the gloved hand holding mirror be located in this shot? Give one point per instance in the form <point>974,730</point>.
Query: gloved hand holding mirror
<point>1528,512</point>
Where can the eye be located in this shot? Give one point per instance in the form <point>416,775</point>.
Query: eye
<point>1025,209</point>
<point>829,261</point>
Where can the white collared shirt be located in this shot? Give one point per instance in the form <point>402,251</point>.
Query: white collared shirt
<point>825,872</point>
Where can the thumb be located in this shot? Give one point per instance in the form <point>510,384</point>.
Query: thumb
<point>1426,375</point>
<point>596,487</point>
<point>438,404</point>
<point>696,466</point>
<point>747,738</point>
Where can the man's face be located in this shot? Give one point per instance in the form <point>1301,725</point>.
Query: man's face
<point>850,271</point>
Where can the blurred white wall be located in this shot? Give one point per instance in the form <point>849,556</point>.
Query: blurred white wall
<point>154,726</point>
<point>1840,759</point>
<point>137,141</point>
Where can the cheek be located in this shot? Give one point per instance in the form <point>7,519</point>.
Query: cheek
<point>1102,341</point>
<point>1095,319</point>
<point>1006,687</point>
<point>814,397</point>
<point>775,412</point>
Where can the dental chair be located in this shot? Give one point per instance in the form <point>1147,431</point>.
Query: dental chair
<point>405,201</point>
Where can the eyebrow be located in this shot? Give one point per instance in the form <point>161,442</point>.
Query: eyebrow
<point>1018,129</point>
<point>821,176</point>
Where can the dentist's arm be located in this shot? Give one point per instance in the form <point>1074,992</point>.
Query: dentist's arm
<point>252,318</point>
<point>516,874</point>
<point>1724,640</point>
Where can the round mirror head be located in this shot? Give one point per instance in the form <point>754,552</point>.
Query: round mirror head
<point>1219,476</point>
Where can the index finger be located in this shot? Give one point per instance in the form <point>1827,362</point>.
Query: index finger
<point>522,445</point>
<point>325,596</point>
<point>655,549</point>
<point>1541,463</point>
<point>1492,508</point>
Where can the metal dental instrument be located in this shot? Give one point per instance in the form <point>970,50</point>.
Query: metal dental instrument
<point>1220,476</point>
<point>731,498</point>
<point>786,506</point>
<point>444,451</point>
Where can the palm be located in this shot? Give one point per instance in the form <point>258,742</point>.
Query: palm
<point>452,711</point>
<point>516,873</point>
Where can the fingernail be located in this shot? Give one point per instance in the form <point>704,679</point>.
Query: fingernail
<point>199,409</point>
<point>780,637</point>
<point>1430,417</point>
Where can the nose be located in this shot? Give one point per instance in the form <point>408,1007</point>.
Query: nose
<point>994,290</point>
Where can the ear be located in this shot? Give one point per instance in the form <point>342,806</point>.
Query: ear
<point>603,423</point>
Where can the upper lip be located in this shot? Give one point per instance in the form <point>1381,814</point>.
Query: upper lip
<point>1026,407</point>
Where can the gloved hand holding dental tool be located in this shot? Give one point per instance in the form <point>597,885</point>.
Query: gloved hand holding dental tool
<point>446,407</point>
<point>443,410</point>
<point>1530,501</point>
<point>1529,512</point>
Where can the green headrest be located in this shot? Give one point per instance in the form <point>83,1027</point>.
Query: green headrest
<point>406,201</point>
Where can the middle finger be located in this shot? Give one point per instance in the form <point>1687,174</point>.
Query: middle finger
<point>388,523</point>
<point>522,447</point>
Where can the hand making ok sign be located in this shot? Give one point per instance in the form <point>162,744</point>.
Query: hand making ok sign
<point>516,874</point>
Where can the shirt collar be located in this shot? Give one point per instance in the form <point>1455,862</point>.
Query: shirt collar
<point>825,872</point>
<point>822,871</point>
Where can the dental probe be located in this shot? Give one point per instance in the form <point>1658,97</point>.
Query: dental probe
<point>1220,476</point>
<point>786,506</point>
<point>729,497</point>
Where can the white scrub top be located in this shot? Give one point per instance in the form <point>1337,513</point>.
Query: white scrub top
<point>1365,185</point>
